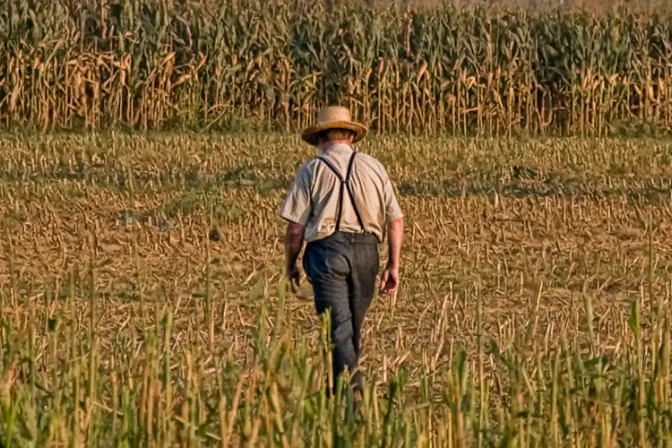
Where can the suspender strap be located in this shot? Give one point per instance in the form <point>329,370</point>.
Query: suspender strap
<point>344,185</point>
<point>351,193</point>
<point>331,167</point>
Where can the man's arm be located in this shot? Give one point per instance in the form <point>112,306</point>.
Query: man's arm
<point>296,209</point>
<point>390,279</point>
<point>293,246</point>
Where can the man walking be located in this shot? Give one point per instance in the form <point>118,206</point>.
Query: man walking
<point>343,205</point>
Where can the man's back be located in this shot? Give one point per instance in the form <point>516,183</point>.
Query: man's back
<point>318,183</point>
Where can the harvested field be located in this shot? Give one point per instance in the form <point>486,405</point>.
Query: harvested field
<point>143,303</point>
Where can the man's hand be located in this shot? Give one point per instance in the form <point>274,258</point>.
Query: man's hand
<point>389,282</point>
<point>293,274</point>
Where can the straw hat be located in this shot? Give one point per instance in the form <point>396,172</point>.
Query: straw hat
<point>333,117</point>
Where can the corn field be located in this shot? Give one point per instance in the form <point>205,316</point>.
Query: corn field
<point>142,301</point>
<point>456,70</point>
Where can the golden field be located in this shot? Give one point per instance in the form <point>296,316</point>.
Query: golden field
<point>431,69</point>
<point>143,305</point>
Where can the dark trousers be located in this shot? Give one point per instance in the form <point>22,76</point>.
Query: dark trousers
<point>342,269</point>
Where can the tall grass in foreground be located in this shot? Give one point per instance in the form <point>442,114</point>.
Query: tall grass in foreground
<point>148,383</point>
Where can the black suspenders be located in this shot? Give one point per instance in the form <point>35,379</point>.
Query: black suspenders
<point>345,185</point>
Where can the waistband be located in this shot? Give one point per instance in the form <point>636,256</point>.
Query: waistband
<point>348,237</point>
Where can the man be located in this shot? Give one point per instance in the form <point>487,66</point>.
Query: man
<point>343,205</point>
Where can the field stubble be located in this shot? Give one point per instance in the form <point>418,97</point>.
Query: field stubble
<point>142,299</point>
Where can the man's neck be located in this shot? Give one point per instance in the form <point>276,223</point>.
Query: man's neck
<point>330,144</point>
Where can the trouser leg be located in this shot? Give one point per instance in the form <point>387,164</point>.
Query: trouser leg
<point>329,272</point>
<point>364,262</point>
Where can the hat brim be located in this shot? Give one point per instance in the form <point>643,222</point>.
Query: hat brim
<point>310,134</point>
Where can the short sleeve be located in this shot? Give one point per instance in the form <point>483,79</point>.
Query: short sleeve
<point>392,208</point>
<point>296,207</point>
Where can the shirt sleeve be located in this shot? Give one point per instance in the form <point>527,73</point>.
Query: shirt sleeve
<point>392,208</point>
<point>297,207</point>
